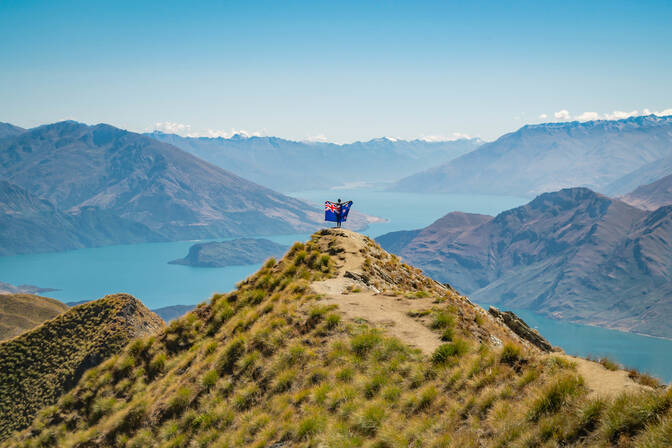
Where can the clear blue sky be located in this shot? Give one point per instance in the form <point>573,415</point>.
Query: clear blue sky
<point>339,69</point>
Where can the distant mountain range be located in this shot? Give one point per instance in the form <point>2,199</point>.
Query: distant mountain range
<point>613,156</point>
<point>69,185</point>
<point>288,166</point>
<point>572,254</point>
<point>653,195</point>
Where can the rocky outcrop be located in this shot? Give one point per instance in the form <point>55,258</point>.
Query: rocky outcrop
<point>518,326</point>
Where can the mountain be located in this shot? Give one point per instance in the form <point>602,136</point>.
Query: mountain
<point>20,312</point>
<point>98,173</point>
<point>42,364</point>
<point>572,254</point>
<point>30,224</point>
<point>548,157</point>
<point>651,196</point>
<point>273,162</point>
<point>9,130</point>
<point>240,251</point>
<point>340,344</point>
<point>170,313</point>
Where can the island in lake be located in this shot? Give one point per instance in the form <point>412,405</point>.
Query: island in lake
<point>241,251</point>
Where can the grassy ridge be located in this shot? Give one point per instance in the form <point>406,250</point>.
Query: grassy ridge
<point>270,365</point>
<point>20,312</point>
<point>39,365</point>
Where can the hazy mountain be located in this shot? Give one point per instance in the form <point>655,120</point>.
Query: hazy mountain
<point>653,195</point>
<point>9,130</point>
<point>268,365</point>
<point>20,312</point>
<point>38,366</point>
<point>240,251</point>
<point>286,165</point>
<point>551,156</point>
<point>572,254</point>
<point>644,175</point>
<point>30,224</point>
<point>88,171</point>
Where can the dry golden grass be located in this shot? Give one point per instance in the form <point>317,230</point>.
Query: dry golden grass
<point>281,369</point>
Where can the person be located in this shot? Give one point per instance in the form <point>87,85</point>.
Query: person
<point>338,213</point>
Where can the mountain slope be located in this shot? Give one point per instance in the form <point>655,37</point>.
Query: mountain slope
<point>285,361</point>
<point>273,161</point>
<point>651,196</point>
<point>9,130</point>
<point>30,224</point>
<point>551,156</point>
<point>40,365</point>
<point>139,179</point>
<point>573,254</point>
<point>20,312</point>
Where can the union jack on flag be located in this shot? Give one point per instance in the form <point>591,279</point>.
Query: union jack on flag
<point>333,211</point>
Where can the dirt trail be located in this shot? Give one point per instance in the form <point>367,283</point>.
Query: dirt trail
<point>390,313</point>
<point>604,382</point>
<point>380,310</point>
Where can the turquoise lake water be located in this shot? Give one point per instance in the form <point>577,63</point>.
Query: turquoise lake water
<point>143,270</point>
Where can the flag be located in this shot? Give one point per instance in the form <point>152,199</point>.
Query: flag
<point>333,209</point>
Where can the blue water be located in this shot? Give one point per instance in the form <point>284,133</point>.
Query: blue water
<point>647,354</point>
<point>143,270</point>
<point>406,211</point>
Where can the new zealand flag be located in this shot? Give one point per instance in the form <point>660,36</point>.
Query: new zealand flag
<point>334,210</point>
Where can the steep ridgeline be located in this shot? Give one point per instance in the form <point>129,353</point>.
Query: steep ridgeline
<point>240,251</point>
<point>84,169</point>
<point>573,254</point>
<point>339,344</point>
<point>651,196</point>
<point>275,162</point>
<point>38,366</point>
<point>547,157</point>
<point>20,312</point>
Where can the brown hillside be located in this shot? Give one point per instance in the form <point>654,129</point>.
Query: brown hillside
<point>21,312</point>
<point>38,366</point>
<point>339,344</point>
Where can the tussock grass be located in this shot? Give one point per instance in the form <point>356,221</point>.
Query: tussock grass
<point>281,369</point>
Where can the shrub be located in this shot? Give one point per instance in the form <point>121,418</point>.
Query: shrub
<point>210,379</point>
<point>332,320</point>
<point>179,401</point>
<point>284,381</point>
<point>451,350</point>
<point>609,364</point>
<point>442,320</point>
<point>309,426</point>
<point>631,412</point>
<point>555,395</point>
<point>233,351</point>
<point>368,421</point>
<point>511,354</point>
<point>362,343</point>
<point>157,364</point>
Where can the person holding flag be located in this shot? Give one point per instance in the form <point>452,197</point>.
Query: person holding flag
<point>337,211</point>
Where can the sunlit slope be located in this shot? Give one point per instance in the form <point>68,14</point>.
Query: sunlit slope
<point>288,359</point>
<point>41,364</point>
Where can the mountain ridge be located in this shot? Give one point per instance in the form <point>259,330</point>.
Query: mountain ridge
<point>288,359</point>
<point>126,177</point>
<point>572,254</point>
<point>272,161</point>
<point>551,156</point>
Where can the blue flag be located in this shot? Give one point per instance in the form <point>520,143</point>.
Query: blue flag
<point>332,211</point>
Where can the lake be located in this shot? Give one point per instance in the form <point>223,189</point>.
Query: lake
<point>143,270</point>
